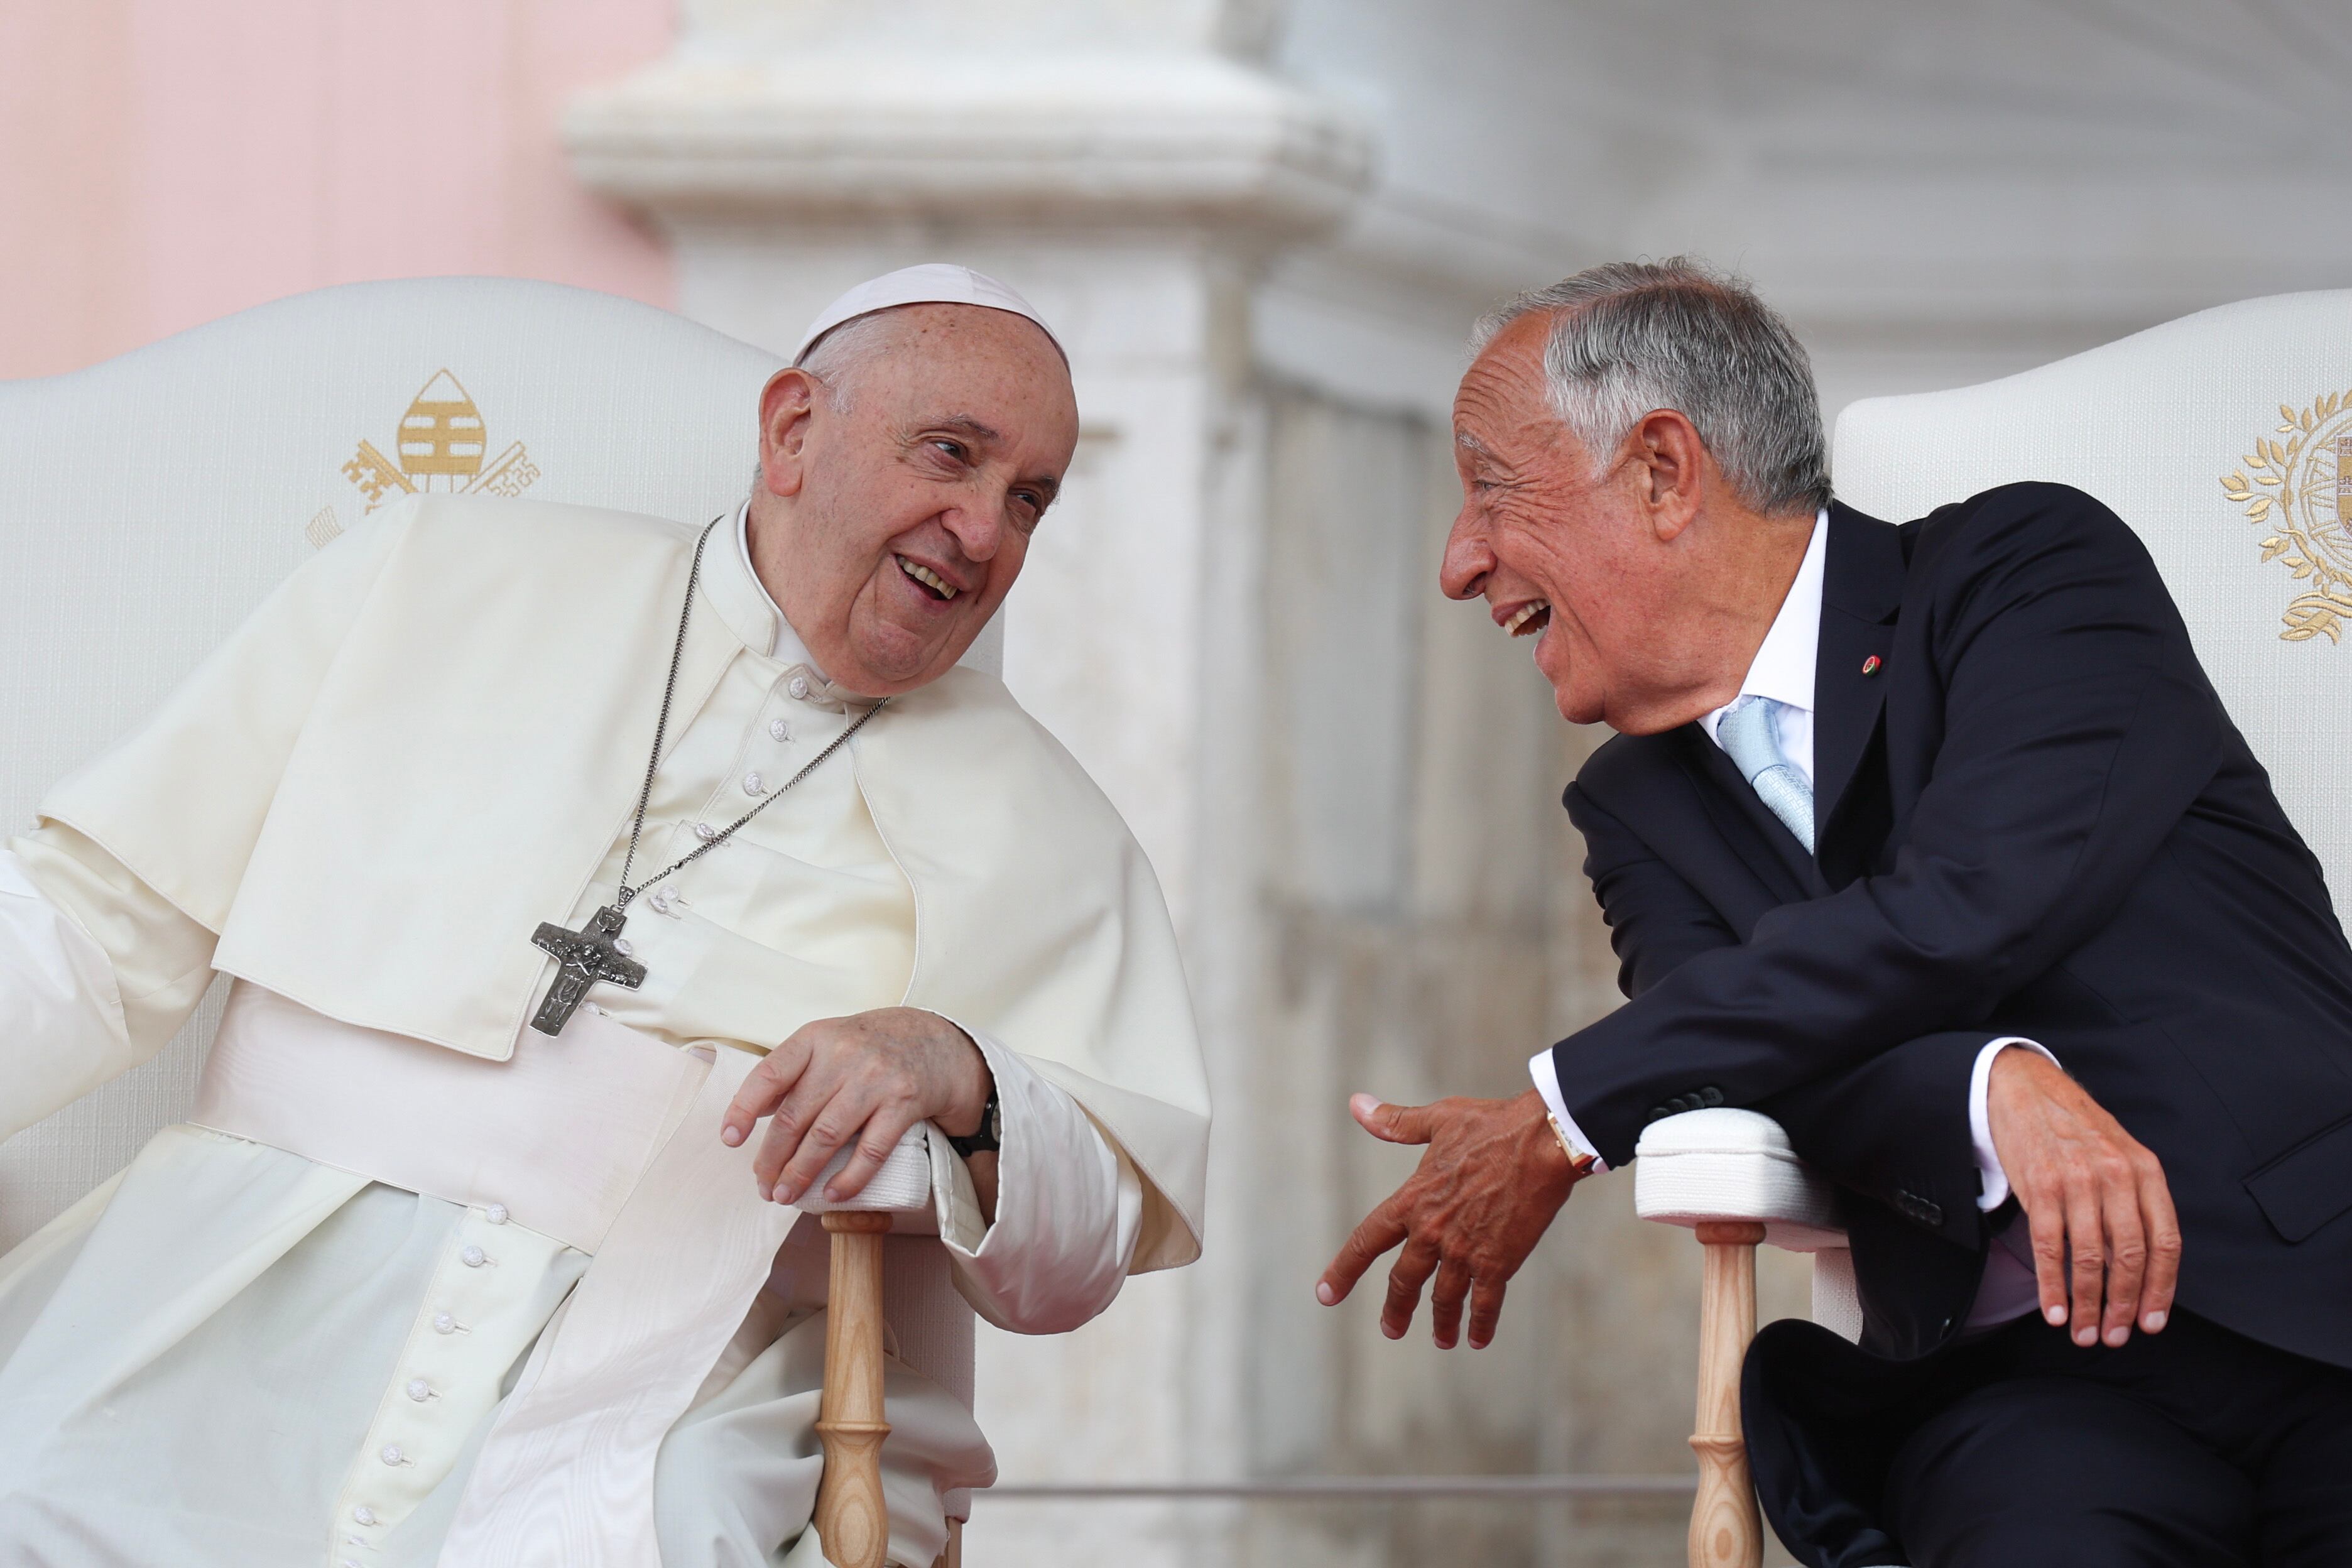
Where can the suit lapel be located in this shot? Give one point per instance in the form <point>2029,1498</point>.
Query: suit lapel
<point>1861,588</point>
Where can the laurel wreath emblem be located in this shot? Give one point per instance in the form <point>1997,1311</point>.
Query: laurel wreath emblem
<point>2298,481</point>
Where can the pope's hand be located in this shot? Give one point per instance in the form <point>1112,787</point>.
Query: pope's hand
<point>866,1078</point>
<point>1483,1197</point>
<point>2100,1209</point>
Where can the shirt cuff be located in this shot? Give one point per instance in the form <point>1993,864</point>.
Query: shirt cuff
<point>1546,1073</point>
<point>1993,1179</point>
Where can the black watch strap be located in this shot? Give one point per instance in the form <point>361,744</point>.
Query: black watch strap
<point>988,1139</point>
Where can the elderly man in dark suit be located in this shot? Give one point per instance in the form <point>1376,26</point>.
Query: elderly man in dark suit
<point>1933,843</point>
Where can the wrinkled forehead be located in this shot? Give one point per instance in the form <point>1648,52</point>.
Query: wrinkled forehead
<point>1503,393</point>
<point>934,355</point>
<point>990,374</point>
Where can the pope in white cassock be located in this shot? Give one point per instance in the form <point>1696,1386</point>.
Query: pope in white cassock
<point>473,1251</point>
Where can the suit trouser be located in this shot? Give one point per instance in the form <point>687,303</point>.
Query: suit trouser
<point>2192,1448</point>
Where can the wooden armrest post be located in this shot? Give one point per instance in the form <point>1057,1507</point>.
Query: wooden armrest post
<point>851,1519</point>
<point>1725,1531</point>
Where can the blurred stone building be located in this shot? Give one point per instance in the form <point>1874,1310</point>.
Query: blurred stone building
<point>1264,228</point>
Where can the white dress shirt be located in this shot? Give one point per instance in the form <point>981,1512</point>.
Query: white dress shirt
<point>1783,670</point>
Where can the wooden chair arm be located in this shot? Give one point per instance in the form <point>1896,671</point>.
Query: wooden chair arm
<point>1731,1176</point>
<point>853,1521</point>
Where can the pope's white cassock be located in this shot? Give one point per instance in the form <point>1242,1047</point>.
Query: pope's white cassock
<point>416,1283</point>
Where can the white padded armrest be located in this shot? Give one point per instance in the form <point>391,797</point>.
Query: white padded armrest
<point>903,1184</point>
<point>1728,1164</point>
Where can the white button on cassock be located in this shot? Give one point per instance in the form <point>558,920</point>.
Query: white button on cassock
<point>364,1515</point>
<point>473,1258</point>
<point>420,1390</point>
<point>443,1323</point>
<point>779,731</point>
<point>704,830</point>
<point>391,1454</point>
<point>799,687</point>
<point>496,1214</point>
<point>750,784</point>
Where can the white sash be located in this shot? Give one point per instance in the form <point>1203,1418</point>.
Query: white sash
<point>561,1134</point>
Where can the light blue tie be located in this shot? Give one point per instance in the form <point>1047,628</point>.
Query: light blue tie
<point>1751,740</point>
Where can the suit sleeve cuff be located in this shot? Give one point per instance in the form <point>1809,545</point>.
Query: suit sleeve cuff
<point>1547,1076</point>
<point>1993,1179</point>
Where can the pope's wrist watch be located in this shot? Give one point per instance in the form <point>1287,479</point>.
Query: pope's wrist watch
<point>990,1135</point>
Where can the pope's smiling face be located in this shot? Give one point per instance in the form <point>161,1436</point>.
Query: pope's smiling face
<point>895,508</point>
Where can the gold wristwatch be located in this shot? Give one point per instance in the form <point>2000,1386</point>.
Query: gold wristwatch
<point>1580,1161</point>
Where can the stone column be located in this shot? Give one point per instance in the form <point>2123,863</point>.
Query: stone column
<point>1131,167</point>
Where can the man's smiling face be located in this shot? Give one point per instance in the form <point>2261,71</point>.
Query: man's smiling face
<point>1560,553</point>
<point>895,510</point>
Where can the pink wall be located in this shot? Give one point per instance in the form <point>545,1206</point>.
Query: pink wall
<point>166,161</point>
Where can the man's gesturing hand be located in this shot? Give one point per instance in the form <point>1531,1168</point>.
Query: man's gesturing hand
<point>1484,1194</point>
<point>869,1078</point>
<point>2094,1196</point>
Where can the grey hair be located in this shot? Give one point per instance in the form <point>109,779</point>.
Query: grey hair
<point>836,358</point>
<point>1628,337</point>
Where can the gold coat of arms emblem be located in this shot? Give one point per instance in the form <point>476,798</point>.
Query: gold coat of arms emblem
<point>443,445</point>
<point>2297,482</point>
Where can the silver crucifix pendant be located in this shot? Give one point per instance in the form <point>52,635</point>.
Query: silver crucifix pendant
<point>595,953</point>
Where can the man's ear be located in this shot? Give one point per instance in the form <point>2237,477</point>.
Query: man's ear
<point>787,406</point>
<point>1672,463</point>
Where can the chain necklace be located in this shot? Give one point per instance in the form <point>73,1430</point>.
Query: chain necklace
<point>597,951</point>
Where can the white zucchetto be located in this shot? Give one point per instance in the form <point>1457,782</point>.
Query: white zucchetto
<point>932,283</point>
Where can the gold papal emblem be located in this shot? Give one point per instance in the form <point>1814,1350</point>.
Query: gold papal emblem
<point>444,447</point>
<point>2297,482</point>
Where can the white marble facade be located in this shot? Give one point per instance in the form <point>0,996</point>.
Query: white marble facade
<point>1263,227</point>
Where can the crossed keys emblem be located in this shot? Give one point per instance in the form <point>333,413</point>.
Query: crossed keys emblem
<point>443,446</point>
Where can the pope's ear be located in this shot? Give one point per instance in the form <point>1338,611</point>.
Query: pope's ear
<point>787,406</point>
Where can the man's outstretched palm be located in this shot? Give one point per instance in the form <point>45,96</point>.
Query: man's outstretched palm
<point>1494,1176</point>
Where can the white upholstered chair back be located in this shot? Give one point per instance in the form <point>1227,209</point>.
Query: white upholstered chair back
<point>2224,439</point>
<point>148,503</point>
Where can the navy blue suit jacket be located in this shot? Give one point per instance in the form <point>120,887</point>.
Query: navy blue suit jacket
<point>2034,818</point>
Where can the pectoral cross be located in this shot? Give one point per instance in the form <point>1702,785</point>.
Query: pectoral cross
<point>595,952</point>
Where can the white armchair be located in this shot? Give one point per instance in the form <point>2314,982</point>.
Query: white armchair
<point>2225,440</point>
<point>153,500</point>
